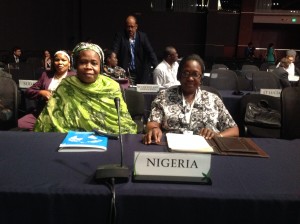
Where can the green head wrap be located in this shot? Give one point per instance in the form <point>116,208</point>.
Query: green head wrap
<point>88,46</point>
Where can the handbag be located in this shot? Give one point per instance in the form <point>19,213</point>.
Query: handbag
<point>261,115</point>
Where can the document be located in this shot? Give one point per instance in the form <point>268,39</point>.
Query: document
<point>188,143</point>
<point>83,142</point>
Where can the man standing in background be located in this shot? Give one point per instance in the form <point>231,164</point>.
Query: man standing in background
<point>135,53</point>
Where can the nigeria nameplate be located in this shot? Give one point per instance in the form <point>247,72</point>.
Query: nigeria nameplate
<point>178,167</point>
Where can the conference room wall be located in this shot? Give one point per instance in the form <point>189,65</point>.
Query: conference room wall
<point>60,24</point>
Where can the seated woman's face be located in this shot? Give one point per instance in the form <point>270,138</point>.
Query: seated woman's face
<point>191,76</point>
<point>88,66</point>
<point>61,63</point>
<point>112,61</point>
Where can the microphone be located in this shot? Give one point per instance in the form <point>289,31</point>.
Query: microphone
<point>120,172</point>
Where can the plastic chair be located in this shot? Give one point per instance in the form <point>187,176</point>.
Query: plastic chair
<point>212,90</point>
<point>8,103</point>
<point>248,70</point>
<point>136,107</point>
<point>264,80</point>
<point>223,79</point>
<point>219,66</point>
<point>290,111</point>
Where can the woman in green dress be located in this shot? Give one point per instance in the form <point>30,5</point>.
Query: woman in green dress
<point>271,54</point>
<point>86,101</point>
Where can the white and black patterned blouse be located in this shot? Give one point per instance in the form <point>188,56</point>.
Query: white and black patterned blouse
<point>170,110</point>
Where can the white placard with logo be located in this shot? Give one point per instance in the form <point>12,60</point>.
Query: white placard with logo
<point>271,92</point>
<point>147,88</point>
<point>165,166</point>
<point>24,84</point>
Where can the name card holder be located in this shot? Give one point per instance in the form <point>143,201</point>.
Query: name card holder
<point>24,84</point>
<point>271,92</point>
<point>172,167</point>
<point>150,88</point>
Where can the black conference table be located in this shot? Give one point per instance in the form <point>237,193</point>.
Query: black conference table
<point>40,185</point>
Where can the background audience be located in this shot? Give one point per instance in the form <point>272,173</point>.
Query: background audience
<point>47,61</point>
<point>112,69</point>
<point>15,57</point>
<point>43,89</point>
<point>270,56</point>
<point>165,74</point>
<point>135,53</point>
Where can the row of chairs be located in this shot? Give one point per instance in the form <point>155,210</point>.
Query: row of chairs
<point>247,67</point>
<point>225,79</point>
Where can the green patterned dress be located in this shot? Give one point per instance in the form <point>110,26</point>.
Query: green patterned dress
<point>82,107</point>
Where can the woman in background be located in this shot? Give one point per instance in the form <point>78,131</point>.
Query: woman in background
<point>271,54</point>
<point>47,61</point>
<point>42,90</point>
<point>112,69</point>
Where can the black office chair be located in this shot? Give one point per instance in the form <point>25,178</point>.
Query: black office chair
<point>247,71</point>
<point>8,103</point>
<point>219,66</point>
<point>256,130</point>
<point>136,107</point>
<point>264,80</point>
<point>290,112</point>
<point>212,90</point>
<point>223,79</point>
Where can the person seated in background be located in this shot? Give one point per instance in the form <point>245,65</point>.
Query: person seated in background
<point>15,57</point>
<point>87,100</point>
<point>46,61</point>
<point>249,51</point>
<point>112,70</point>
<point>281,72</point>
<point>187,109</point>
<point>165,74</point>
<point>43,89</point>
<point>293,72</point>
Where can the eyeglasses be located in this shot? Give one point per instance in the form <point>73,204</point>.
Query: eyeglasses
<point>193,75</point>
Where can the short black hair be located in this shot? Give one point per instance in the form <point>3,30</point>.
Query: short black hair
<point>107,54</point>
<point>167,51</point>
<point>192,57</point>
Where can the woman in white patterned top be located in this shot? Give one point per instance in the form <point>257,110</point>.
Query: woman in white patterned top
<point>187,109</point>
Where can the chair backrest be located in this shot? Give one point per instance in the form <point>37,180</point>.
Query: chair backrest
<point>264,80</point>
<point>290,112</point>
<point>136,107</point>
<point>273,103</point>
<point>219,66</point>
<point>250,67</point>
<point>223,79</point>
<point>248,70</point>
<point>8,103</point>
<point>212,90</point>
